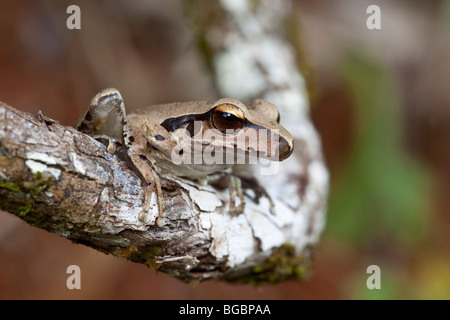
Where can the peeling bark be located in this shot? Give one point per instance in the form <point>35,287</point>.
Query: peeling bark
<point>58,179</point>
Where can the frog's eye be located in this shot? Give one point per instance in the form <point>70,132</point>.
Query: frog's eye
<point>227,116</point>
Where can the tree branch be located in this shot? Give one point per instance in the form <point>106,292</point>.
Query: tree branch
<point>65,182</point>
<point>58,179</point>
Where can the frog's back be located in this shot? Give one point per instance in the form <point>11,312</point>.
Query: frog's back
<point>162,112</point>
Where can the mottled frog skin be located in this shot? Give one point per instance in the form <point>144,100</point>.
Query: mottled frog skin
<point>196,140</point>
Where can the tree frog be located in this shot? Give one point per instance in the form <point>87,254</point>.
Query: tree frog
<point>197,140</point>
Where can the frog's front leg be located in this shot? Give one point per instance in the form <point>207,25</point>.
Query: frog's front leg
<point>138,133</point>
<point>235,189</point>
<point>234,184</point>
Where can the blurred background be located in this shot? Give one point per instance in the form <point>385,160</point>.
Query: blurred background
<point>379,99</point>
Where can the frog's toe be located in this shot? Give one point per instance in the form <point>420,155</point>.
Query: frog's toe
<point>161,222</point>
<point>143,215</point>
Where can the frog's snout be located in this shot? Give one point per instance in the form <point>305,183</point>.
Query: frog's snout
<point>285,148</point>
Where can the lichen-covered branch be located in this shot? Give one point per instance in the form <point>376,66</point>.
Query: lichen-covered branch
<point>63,181</point>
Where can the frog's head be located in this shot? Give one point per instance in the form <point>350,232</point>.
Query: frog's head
<point>229,127</point>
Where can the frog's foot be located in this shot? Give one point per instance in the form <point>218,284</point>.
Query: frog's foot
<point>110,143</point>
<point>224,180</point>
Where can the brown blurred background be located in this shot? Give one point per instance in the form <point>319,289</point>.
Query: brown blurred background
<point>379,100</point>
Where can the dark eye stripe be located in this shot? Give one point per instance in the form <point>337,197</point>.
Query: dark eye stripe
<point>187,121</point>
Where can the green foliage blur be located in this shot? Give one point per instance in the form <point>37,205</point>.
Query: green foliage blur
<point>381,193</point>
<point>380,199</point>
